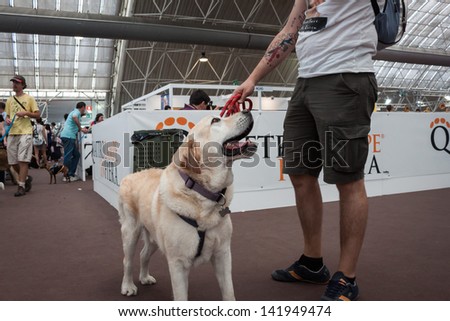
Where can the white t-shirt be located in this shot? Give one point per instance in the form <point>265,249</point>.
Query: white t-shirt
<point>337,36</point>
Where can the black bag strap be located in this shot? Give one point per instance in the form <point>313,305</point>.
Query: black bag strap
<point>376,8</point>
<point>403,19</point>
<point>15,98</point>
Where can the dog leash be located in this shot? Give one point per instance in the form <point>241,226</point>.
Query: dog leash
<point>233,106</point>
<point>8,129</point>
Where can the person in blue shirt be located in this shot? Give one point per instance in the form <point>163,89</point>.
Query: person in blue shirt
<point>69,136</point>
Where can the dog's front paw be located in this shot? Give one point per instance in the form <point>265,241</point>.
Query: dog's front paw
<point>129,289</point>
<point>148,279</point>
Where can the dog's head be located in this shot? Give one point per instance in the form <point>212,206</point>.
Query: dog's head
<point>215,142</point>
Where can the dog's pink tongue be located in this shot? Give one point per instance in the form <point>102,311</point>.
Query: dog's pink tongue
<point>235,145</point>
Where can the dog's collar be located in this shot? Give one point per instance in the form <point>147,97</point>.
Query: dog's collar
<point>191,184</point>
<point>201,234</point>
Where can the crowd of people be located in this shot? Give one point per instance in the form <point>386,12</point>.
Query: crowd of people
<point>26,141</point>
<point>407,109</point>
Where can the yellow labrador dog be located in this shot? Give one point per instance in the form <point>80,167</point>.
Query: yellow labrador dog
<point>182,210</point>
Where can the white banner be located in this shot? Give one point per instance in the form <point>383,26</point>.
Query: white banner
<point>408,152</point>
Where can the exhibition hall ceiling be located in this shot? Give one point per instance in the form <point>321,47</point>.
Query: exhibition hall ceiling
<point>65,65</point>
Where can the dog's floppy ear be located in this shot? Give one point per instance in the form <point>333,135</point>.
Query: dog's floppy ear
<point>189,156</point>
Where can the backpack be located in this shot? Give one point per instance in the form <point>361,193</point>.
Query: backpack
<point>37,137</point>
<point>389,23</point>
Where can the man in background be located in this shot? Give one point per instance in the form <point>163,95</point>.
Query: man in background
<point>69,137</point>
<point>21,108</point>
<point>198,100</point>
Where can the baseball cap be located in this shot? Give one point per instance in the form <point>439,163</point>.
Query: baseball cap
<point>19,79</point>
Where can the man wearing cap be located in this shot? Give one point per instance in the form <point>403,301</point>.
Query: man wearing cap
<point>21,108</point>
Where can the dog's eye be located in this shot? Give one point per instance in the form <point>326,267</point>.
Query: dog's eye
<point>215,120</point>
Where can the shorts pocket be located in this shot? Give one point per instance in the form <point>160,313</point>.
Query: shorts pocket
<point>348,148</point>
<point>350,83</point>
<point>374,86</point>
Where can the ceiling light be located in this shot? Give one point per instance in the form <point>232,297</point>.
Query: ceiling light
<point>203,58</point>
<point>388,101</point>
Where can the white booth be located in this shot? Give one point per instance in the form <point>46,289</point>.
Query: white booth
<point>408,151</point>
<point>86,159</point>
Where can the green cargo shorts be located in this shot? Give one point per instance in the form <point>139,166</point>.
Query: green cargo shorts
<point>326,126</point>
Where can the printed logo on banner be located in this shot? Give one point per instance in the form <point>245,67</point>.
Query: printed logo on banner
<point>440,135</point>
<point>373,139</point>
<point>171,121</point>
<point>375,146</point>
<point>372,164</point>
<point>108,153</point>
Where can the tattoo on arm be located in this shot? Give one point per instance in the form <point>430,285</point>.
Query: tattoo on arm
<point>298,21</point>
<point>282,44</point>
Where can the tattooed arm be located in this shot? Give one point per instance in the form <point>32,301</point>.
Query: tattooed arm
<point>280,47</point>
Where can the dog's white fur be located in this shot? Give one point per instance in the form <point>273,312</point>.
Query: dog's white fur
<point>150,201</point>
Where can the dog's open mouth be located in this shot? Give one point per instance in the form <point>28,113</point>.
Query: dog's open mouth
<point>233,147</point>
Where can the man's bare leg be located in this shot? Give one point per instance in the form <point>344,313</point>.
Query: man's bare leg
<point>354,212</point>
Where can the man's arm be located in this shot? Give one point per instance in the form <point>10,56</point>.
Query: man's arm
<point>34,114</point>
<point>280,48</point>
<point>8,112</point>
<point>77,121</point>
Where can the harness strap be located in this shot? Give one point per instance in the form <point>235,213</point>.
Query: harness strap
<point>201,234</point>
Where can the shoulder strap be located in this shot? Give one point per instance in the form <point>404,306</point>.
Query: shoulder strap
<point>15,98</point>
<point>403,22</point>
<point>376,8</point>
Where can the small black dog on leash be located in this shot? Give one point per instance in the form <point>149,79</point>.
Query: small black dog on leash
<point>54,170</point>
